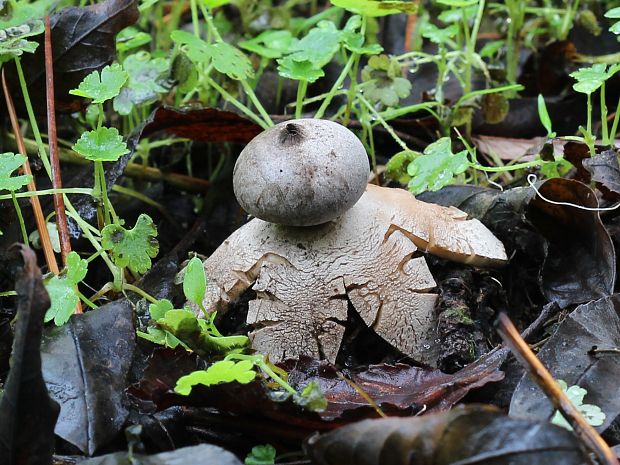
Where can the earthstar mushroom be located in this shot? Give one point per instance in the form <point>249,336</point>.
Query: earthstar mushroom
<point>304,277</point>
<point>302,172</point>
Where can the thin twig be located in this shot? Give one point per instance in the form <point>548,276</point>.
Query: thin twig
<point>46,243</point>
<point>552,390</point>
<point>59,204</point>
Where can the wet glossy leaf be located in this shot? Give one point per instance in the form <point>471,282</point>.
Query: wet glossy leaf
<point>376,7</point>
<point>159,309</point>
<point>590,79</point>
<point>62,290</point>
<point>311,398</point>
<point>147,79</point>
<point>13,41</point>
<point>132,248</point>
<point>9,162</point>
<point>465,434</point>
<point>318,46</point>
<point>396,168</point>
<point>224,371</point>
<point>102,86</point>
<point>195,281</point>
<point>299,70</point>
<point>103,144</point>
<point>438,35</point>
<point>437,167</point>
<point>269,44</point>
<point>27,414</point>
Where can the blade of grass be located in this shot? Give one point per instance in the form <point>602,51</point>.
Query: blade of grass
<point>39,217</point>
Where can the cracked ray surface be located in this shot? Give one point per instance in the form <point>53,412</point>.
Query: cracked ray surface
<point>303,276</point>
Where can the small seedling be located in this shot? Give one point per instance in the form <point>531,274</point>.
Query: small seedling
<point>592,413</point>
<point>9,162</point>
<point>261,455</point>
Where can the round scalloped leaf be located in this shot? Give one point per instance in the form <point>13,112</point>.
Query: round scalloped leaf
<point>225,371</point>
<point>9,162</point>
<point>102,86</point>
<point>376,7</point>
<point>103,144</point>
<point>132,248</point>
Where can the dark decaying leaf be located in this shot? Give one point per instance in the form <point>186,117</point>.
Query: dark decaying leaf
<point>204,453</point>
<point>603,168</point>
<point>605,172</point>
<point>568,356</point>
<point>85,365</point>
<point>397,389</point>
<point>579,258</point>
<point>206,125</point>
<point>83,40</point>
<point>464,435</point>
<point>578,241</point>
<point>27,414</point>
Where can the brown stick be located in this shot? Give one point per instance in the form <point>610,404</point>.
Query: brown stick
<point>46,243</point>
<point>59,203</point>
<point>552,390</point>
<point>411,21</point>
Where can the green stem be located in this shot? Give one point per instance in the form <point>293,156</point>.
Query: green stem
<point>236,103</point>
<point>261,110</point>
<point>8,293</point>
<point>85,299</point>
<point>302,86</point>
<point>614,126</point>
<point>604,126</point>
<point>140,292</point>
<point>503,169</point>
<point>20,217</point>
<point>383,123</point>
<point>336,87</point>
<point>68,190</point>
<point>589,121</point>
<point>100,172</point>
<point>471,46</point>
<point>195,24</point>
<point>259,361</point>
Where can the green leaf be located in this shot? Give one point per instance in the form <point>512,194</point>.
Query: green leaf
<point>132,248</point>
<point>102,86</point>
<point>147,79</point>
<point>226,58</point>
<point>437,167</point>
<point>195,281</point>
<point>396,168</point>
<point>543,114</point>
<point>354,40</point>
<point>215,3</point>
<point>224,371</point>
<point>269,44</point>
<point>458,3</point>
<point>614,13</point>
<point>26,12</point>
<point>103,144</point>
<point>491,48</point>
<point>592,413</point>
<point>162,337</point>
<point>261,455</point>
<point>76,268</point>
<point>159,309</point>
<point>290,68</point>
<point>130,38</point>
<point>438,35</point>
<point>13,41</point>
<point>62,290</point>
<point>9,162</point>
<point>590,79</point>
<point>383,81</point>
<point>319,45</point>
<point>311,398</point>
<point>376,7</point>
